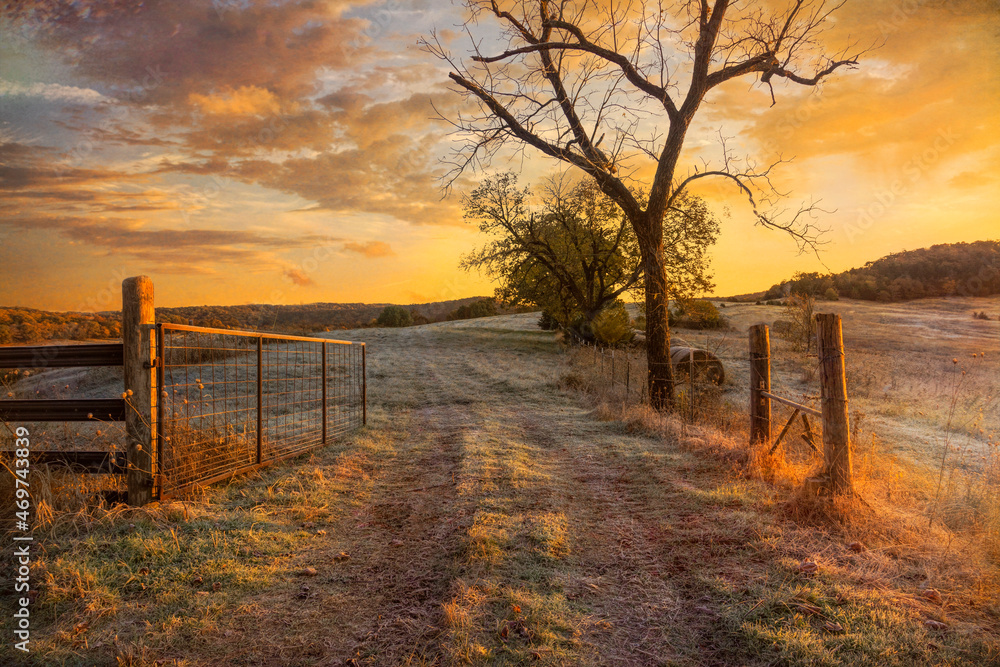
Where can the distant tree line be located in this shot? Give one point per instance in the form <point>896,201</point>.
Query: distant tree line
<point>26,325</point>
<point>399,316</point>
<point>953,269</point>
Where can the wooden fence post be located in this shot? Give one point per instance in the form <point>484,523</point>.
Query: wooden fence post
<point>833,385</point>
<point>139,344</point>
<point>760,381</point>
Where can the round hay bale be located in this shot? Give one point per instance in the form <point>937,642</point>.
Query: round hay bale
<point>708,368</point>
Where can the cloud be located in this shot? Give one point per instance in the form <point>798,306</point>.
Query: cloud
<point>242,91</point>
<point>372,249</point>
<point>894,106</point>
<point>244,101</point>
<point>31,179</point>
<point>396,176</point>
<point>199,47</point>
<point>34,175</point>
<point>52,92</point>
<point>972,179</point>
<point>299,277</point>
<point>247,135</point>
<point>176,250</point>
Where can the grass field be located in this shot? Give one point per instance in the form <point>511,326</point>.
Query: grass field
<point>492,514</point>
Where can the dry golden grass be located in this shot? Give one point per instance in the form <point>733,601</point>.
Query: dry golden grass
<point>494,514</point>
<point>936,516</point>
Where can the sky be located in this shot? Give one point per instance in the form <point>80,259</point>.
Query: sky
<point>243,151</point>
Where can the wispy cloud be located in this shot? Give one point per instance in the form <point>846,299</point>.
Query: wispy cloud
<point>299,277</point>
<point>52,92</point>
<point>373,249</point>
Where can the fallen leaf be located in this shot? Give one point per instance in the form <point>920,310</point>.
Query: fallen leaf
<point>202,593</point>
<point>932,595</point>
<point>197,581</point>
<point>935,625</point>
<point>309,572</point>
<point>321,532</point>
<point>143,570</point>
<point>81,627</point>
<point>808,567</point>
<point>216,586</point>
<point>856,547</point>
<point>517,610</point>
<point>833,626</point>
<point>343,555</point>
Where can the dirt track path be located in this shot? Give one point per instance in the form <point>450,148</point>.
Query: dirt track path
<point>490,519</point>
<point>486,517</point>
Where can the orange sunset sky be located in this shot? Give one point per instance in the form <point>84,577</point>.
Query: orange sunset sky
<point>239,151</point>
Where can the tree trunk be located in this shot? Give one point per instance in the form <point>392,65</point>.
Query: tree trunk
<point>661,375</point>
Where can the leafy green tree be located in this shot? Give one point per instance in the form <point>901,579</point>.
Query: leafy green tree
<point>572,252</point>
<point>547,322</point>
<point>395,316</point>
<point>696,314</point>
<point>613,325</point>
<point>481,308</point>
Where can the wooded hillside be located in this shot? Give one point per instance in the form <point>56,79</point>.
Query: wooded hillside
<point>952,269</point>
<point>27,325</point>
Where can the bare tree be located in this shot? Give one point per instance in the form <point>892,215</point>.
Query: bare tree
<point>589,82</point>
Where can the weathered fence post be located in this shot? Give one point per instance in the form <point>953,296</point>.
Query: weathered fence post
<point>760,382</point>
<point>139,345</point>
<point>833,383</point>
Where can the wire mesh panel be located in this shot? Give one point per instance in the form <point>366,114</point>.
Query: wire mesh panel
<point>232,401</point>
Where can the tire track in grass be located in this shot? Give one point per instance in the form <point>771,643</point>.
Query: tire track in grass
<point>400,528</point>
<point>615,570</point>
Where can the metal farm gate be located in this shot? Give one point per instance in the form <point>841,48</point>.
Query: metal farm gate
<point>233,401</point>
<point>199,405</point>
